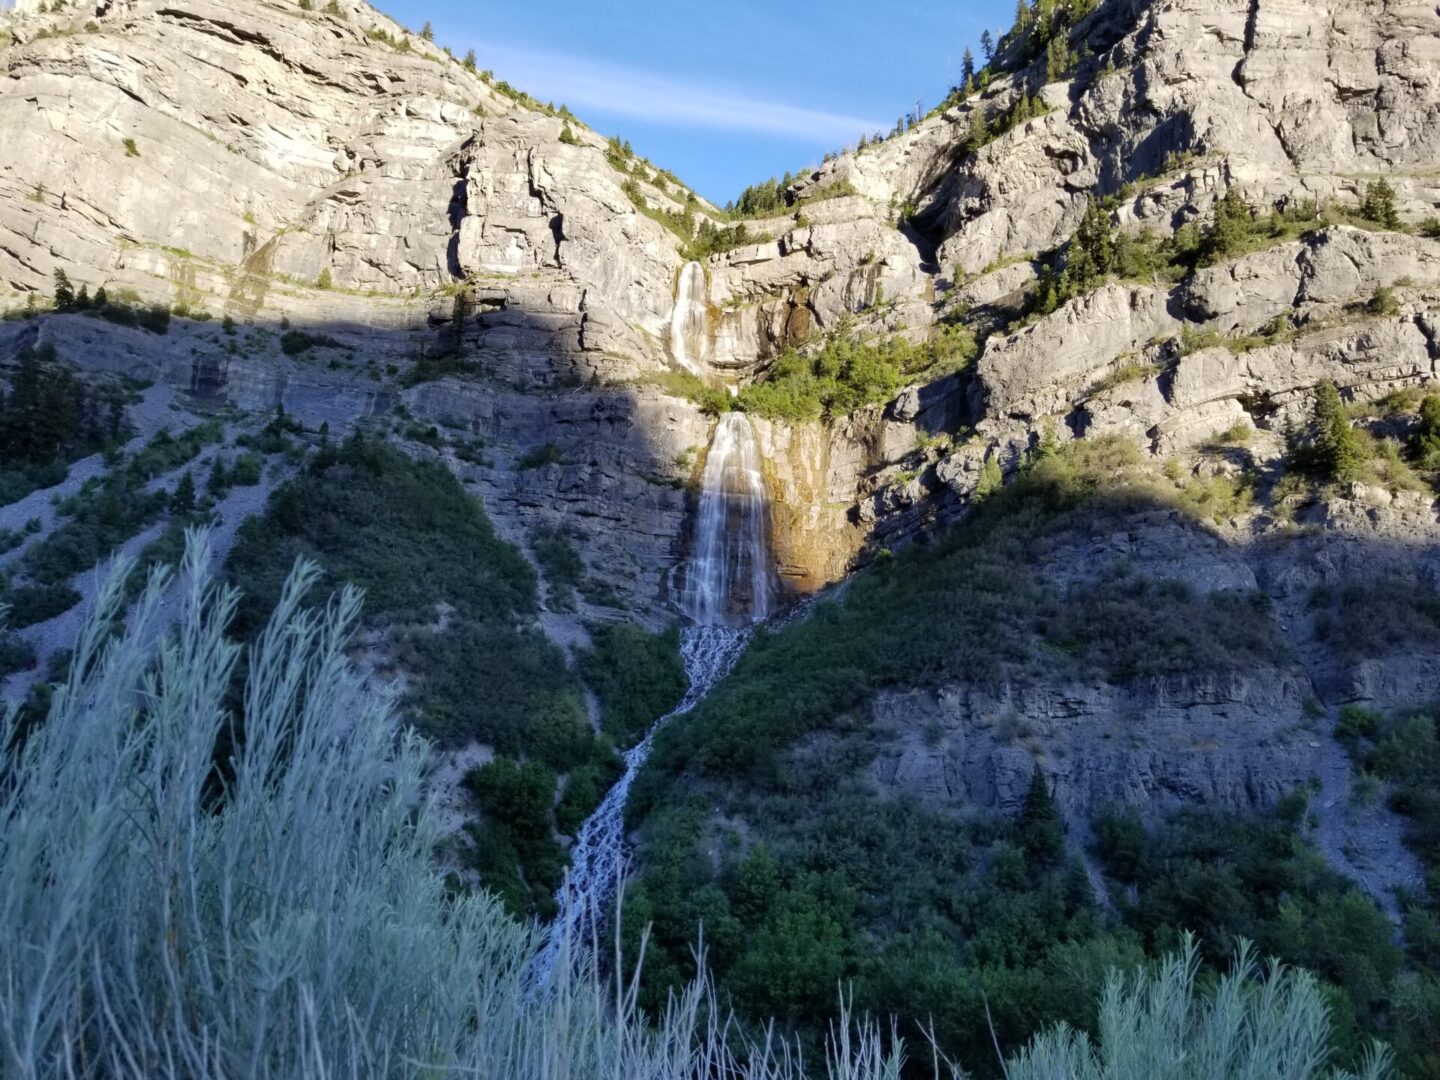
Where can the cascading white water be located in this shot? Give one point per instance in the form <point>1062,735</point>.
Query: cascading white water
<point>598,855</point>
<point>729,585</point>
<point>688,331</point>
<point>728,579</point>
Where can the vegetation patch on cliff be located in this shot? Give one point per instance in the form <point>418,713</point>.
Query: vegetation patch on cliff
<point>50,418</point>
<point>846,372</point>
<point>1402,754</point>
<point>455,607</point>
<point>638,677</point>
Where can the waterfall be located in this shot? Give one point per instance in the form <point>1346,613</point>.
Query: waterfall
<point>729,584</point>
<point>598,855</point>
<point>728,579</point>
<point>688,330</point>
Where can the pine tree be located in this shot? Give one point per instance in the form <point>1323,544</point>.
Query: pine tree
<point>64,292</point>
<point>1092,252</point>
<point>1230,228</point>
<point>967,68</point>
<point>427,32</point>
<point>1379,205</point>
<point>1337,453</point>
<point>979,130</point>
<point>182,499</point>
<point>987,46</point>
<point>1057,59</point>
<point>470,60</point>
<point>1041,833</point>
<point>1022,15</point>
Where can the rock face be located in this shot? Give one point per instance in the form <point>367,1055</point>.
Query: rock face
<point>231,158</point>
<point>1235,740</point>
<point>397,242</point>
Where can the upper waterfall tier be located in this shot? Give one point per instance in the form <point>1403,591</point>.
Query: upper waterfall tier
<point>729,579</point>
<point>688,332</point>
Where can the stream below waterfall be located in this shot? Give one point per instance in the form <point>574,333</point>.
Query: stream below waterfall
<point>597,857</point>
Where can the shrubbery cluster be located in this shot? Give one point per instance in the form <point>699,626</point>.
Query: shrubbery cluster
<point>455,607</point>
<point>49,418</point>
<point>847,372</point>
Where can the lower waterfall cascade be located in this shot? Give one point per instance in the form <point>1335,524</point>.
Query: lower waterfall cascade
<point>729,586</point>
<point>729,579</point>
<point>598,856</point>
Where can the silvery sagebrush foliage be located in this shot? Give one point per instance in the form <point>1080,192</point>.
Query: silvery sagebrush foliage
<point>284,915</point>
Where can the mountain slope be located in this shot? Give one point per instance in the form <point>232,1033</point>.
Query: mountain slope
<point>1130,343</point>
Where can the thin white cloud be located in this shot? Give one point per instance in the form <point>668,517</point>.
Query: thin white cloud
<point>584,84</point>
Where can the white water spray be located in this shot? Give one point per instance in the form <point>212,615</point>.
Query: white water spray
<point>688,331</point>
<point>729,585</point>
<point>728,580</point>
<point>598,856</point>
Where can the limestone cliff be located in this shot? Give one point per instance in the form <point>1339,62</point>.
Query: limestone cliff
<point>405,242</point>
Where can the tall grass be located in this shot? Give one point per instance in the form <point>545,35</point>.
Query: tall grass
<point>289,920</point>
<point>1156,1025</point>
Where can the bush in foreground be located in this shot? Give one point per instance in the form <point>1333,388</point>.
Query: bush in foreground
<point>289,920</point>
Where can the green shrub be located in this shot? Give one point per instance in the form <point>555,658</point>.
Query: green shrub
<point>1382,617</point>
<point>50,418</point>
<point>165,453</point>
<point>246,470</point>
<point>847,372</point>
<point>15,654</point>
<point>537,457</point>
<point>1228,877</point>
<point>131,150</point>
<point>409,534</point>
<point>1356,724</point>
<point>585,786</point>
<point>297,342</point>
<point>1378,205</point>
<point>31,604</point>
<point>561,564</point>
<point>106,513</point>
<point>1383,302</point>
<point>713,400</point>
<point>711,239</point>
<point>516,799</point>
<point>1425,440</point>
<point>638,677</point>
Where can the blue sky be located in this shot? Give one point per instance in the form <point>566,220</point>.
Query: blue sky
<point>722,94</point>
